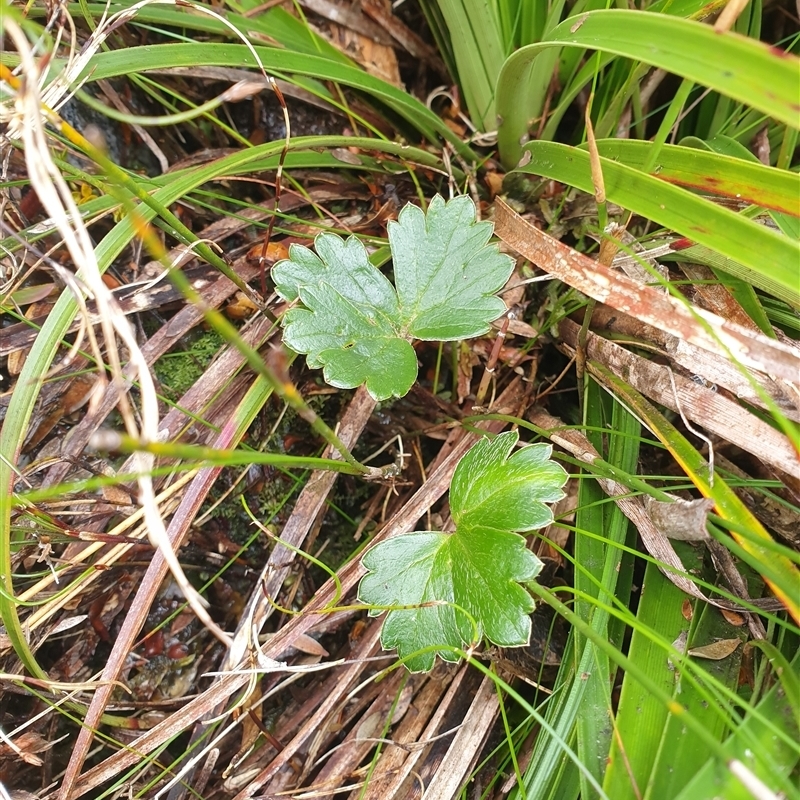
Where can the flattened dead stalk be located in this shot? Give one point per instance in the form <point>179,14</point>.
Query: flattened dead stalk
<point>695,325</point>
<point>712,410</point>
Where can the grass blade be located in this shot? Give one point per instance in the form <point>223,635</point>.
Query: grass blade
<point>770,258</point>
<point>479,53</point>
<point>601,559</point>
<point>704,171</point>
<point>728,63</point>
<point>641,717</point>
<point>677,745</point>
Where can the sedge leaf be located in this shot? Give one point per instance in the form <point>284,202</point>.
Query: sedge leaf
<point>358,328</point>
<point>449,590</point>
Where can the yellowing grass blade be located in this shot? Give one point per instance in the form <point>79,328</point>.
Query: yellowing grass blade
<point>781,575</point>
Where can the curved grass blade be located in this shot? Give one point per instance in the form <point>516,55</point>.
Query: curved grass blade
<point>626,663</point>
<point>277,62</point>
<point>705,171</point>
<point>276,23</point>
<point>479,52</point>
<point>731,64</point>
<point>769,257</point>
<point>678,746</point>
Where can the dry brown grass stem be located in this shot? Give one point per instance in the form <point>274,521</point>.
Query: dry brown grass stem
<point>58,202</point>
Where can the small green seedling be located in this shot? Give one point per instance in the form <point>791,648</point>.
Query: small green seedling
<point>456,588</point>
<point>359,328</point>
<point>444,590</point>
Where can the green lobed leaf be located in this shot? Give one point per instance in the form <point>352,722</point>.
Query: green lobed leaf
<point>494,488</point>
<point>446,271</point>
<point>348,324</point>
<point>451,590</point>
<point>354,324</point>
<point>410,570</point>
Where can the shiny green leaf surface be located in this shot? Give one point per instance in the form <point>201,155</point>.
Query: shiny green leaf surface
<point>353,323</point>
<point>714,173</point>
<point>448,590</point>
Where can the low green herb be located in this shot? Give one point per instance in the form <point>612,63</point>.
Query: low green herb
<point>444,591</point>
<point>358,328</point>
<point>456,588</point>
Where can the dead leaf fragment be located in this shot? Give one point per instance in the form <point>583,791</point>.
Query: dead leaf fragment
<point>310,646</point>
<point>733,617</point>
<point>716,651</point>
<point>117,496</point>
<point>581,20</point>
<point>343,154</point>
<point>240,307</point>
<point>494,180</point>
<point>25,747</point>
<point>680,645</point>
<point>684,520</point>
<point>370,727</point>
<point>275,252</point>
